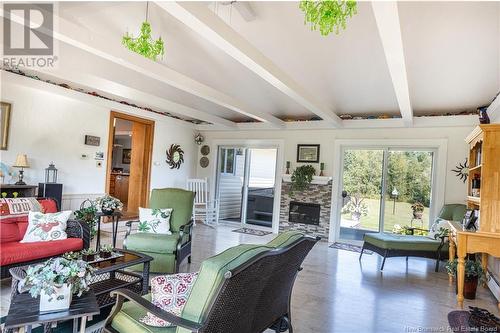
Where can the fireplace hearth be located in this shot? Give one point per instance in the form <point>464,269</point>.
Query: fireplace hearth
<point>303,212</point>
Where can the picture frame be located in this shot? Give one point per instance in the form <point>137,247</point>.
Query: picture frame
<point>308,153</point>
<point>126,156</point>
<point>6,109</point>
<point>470,218</point>
<point>91,140</point>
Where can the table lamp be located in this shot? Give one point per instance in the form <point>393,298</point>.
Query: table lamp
<point>21,162</point>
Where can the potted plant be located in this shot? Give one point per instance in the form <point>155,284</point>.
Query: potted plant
<point>87,214</point>
<point>71,255</point>
<point>474,273</point>
<point>106,251</point>
<point>357,207</point>
<point>418,210</point>
<point>56,281</point>
<point>89,254</point>
<point>302,177</point>
<point>108,204</point>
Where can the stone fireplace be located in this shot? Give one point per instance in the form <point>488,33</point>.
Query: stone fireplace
<point>308,210</point>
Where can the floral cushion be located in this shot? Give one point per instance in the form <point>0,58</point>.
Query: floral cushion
<point>14,207</point>
<point>169,293</point>
<point>46,227</point>
<point>154,220</point>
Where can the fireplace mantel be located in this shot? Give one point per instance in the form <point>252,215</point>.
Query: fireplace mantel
<point>318,180</point>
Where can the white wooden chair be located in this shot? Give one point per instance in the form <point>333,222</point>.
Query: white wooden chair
<point>204,208</point>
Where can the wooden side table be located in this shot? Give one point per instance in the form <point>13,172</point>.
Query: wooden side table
<point>115,218</point>
<point>24,313</point>
<point>464,242</point>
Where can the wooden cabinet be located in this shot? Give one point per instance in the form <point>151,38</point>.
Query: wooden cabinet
<point>118,187</point>
<point>484,196</point>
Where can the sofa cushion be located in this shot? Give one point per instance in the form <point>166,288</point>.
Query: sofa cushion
<point>211,276</point>
<point>181,201</point>
<point>155,221</point>
<point>12,229</point>
<point>169,293</point>
<point>401,242</point>
<point>285,238</point>
<point>127,320</point>
<point>453,212</point>
<point>18,206</point>
<point>15,252</point>
<point>149,242</point>
<point>46,227</point>
<point>48,205</point>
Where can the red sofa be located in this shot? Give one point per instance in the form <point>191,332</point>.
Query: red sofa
<point>12,230</point>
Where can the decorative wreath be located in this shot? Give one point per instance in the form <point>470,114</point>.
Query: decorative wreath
<point>175,156</point>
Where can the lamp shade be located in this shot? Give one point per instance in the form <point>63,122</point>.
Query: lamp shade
<point>21,161</point>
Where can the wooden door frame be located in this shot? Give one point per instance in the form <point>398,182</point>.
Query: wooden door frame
<point>145,186</point>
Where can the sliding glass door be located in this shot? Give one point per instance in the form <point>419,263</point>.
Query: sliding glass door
<point>380,186</point>
<point>245,184</point>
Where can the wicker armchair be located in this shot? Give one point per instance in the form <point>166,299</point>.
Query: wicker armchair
<point>245,289</point>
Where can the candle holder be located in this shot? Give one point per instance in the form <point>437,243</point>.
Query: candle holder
<point>321,167</point>
<point>287,167</point>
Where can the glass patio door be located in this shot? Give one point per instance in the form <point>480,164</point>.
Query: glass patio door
<point>381,187</point>
<point>362,178</point>
<point>246,179</point>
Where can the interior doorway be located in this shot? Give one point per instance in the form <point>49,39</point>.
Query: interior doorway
<point>130,147</point>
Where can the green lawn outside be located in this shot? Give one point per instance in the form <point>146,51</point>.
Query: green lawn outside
<point>403,215</point>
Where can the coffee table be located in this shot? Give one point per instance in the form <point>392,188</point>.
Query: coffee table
<point>110,275</point>
<point>24,312</point>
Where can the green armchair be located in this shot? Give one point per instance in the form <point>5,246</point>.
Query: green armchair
<point>168,251</point>
<point>245,289</point>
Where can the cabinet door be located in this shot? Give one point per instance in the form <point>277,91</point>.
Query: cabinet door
<point>121,188</point>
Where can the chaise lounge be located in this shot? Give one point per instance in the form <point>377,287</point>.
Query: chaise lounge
<point>394,245</point>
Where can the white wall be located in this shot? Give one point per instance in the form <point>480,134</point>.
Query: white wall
<point>457,148</point>
<point>49,124</point>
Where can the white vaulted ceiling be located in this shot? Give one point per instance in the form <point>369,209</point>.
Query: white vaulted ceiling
<point>451,61</point>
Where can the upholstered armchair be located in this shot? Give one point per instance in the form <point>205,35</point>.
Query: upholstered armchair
<point>168,251</point>
<point>245,289</point>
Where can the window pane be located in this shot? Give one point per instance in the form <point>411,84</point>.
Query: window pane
<point>222,160</point>
<point>230,161</point>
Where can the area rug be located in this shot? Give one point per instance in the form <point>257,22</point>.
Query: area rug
<point>349,247</point>
<point>253,232</point>
<point>475,320</point>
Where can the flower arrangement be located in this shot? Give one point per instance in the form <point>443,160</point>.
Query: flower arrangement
<point>357,207</point>
<point>108,204</point>
<point>88,215</point>
<point>417,207</point>
<point>328,15</point>
<point>47,277</point>
<point>71,255</point>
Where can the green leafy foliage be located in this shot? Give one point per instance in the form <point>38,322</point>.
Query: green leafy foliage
<point>55,272</point>
<point>473,269</point>
<point>106,248</point>
<point>88,215</point>
<point>328,15</point>
<point>144,44</point>
<point>302,177</point>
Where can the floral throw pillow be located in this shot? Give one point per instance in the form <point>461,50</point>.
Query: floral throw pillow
<point>46,227</point>
<point>169,293</point>
<point>154,220</point>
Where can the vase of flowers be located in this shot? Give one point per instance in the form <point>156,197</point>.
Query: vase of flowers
<point>56,281</point>
<point>108,204</point>
<point>418,210</point>
<point>357,207</point>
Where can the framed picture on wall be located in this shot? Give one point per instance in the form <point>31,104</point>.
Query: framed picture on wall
<point>307,153</point>
<point>4,125</point>
<point>126,156</point>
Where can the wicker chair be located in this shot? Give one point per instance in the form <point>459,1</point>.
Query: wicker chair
<point>252,294</point>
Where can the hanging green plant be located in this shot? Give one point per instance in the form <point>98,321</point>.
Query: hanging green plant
<point>328,15</point>
<point>302,177</point>
<point>144,43</point>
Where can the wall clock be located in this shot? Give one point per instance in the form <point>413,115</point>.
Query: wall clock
<point>175,156</point>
